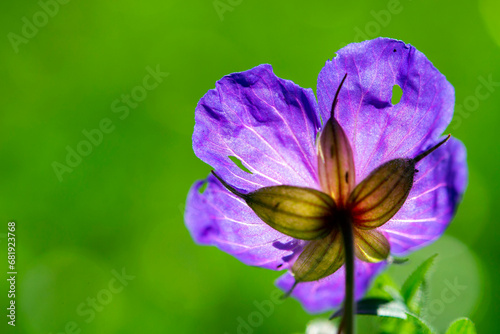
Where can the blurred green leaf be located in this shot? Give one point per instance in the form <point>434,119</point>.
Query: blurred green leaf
<point>397,260</point>
<point>413,289</point>
<point>394,309</point>
<point>321,326</point>
<point>462,326</point>
<point>379,307</point>
<point>421,326</point>
<point>384,287</point>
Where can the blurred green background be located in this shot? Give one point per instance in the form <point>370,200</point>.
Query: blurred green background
<point>120,207</point>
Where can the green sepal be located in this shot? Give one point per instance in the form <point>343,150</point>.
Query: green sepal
<point>381,194</point>
<point>320,258</point>
<point>301,213</point>
<point>371,245</point>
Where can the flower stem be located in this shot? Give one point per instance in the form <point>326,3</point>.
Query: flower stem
<point>347,325</point>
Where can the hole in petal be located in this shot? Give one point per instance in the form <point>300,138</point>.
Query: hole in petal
<point>397,93</point>
<point>238,163</point>
<point>203,187</point>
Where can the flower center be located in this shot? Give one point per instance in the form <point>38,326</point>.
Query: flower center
<point>342,220</point>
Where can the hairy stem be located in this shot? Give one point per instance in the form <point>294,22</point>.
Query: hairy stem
<point>347,325</point>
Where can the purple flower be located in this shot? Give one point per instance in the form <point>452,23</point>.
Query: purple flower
<point>368,161</point>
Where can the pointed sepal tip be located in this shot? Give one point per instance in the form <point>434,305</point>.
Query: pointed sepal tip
<point>432,149</point>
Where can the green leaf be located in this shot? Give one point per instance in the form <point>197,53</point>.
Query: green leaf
<point>381,307</point>
<point>423,327</point>
<point>413,288</point>
<point>412,325</point>
<point>395,309</point>
<point>462,326</point>
<point>384,287</point>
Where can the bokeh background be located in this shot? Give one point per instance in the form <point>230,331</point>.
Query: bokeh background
<point>121,207</point>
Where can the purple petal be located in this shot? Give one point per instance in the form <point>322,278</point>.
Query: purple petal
<point>328,293</point>
<point>379,131</point>
<point>219,218</point>
<point>432,202</point>
<point>270,124</point>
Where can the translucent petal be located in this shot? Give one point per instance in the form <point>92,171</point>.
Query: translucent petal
<point>267,123</point>
<point>378,130</point>
<point>219,218</point>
